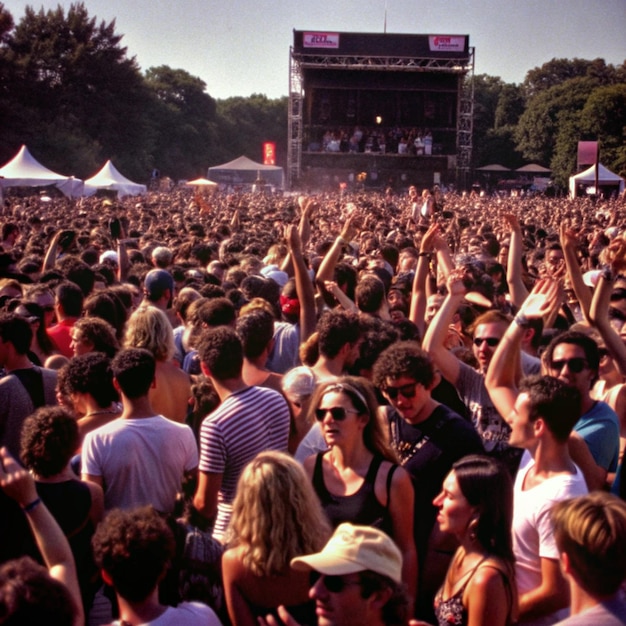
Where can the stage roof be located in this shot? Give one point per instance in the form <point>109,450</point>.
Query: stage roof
<point>381,44</point>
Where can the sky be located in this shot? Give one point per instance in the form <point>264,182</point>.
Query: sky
<point>241,47</point>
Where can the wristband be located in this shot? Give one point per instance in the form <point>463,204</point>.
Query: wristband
<point>342,241</point>
<point>607,273</point>
<point>428,254</point>
<point>33,505</point>
<point>521,320</point>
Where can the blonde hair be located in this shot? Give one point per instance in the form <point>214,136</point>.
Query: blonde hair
<point>149,328</point>
<point>276,514</point>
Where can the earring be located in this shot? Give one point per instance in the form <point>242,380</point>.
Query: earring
<point>472,527</point>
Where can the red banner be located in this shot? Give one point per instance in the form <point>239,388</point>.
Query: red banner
<point>587,153</point>
<point>269,153</point>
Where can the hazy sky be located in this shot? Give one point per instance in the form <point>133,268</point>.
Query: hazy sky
<point>240,47</point>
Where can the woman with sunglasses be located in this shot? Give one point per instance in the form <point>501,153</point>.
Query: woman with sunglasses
<point>276,517</point>
<point>357,479</point>
<point>476,506</point>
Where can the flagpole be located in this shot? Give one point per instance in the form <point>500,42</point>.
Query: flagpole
<point>385,23</point>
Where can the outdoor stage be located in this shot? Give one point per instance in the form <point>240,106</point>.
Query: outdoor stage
<point>397,108</point>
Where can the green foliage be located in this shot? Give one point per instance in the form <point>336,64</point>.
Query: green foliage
<point>70,91</point>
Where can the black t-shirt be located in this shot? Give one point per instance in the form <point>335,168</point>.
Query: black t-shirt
<point>427,451</point>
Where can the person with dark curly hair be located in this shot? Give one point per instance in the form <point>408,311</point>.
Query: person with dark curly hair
<point>133,550</point>
<point>49,438</point>
<point>428,438</point>
<point>86,383</point>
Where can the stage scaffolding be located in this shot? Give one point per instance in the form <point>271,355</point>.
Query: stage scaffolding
<point>463,66</point>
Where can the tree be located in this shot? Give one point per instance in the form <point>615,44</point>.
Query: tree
<point>183,119</point>
<point>556,72</point>
<point>487,90</point>
<point>245,123</point>
<point>71,75</point>
<point>604,118</point>
<point>537,131</point>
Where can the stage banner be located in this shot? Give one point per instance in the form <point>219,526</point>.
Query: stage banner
<point>269,153</point>
<point>320,40</point>
<point>446,43</point>
<point>588,152</point>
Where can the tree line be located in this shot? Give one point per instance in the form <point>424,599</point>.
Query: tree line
<point>69,90</point>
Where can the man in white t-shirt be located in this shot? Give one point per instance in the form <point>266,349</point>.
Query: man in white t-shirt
<point>544,413</point>
<point>139,458</point>
<point>133,550</point>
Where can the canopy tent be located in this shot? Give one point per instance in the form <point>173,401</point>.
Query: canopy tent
<point>109,178</point>
<point>533,168</point>
<point>494,167</point>
<point>201,182</point>
<point>607,181</point>
<point>247,171</point>
<point>23,170</point>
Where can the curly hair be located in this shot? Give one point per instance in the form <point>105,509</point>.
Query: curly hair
<point>89,373</point>
<point>99,333</point>
<point>48,441</point>
<point>134,548</point>
<point>404,358</point>
<point>29,595</point>
<point>276,514</point>
<point>149,328</point>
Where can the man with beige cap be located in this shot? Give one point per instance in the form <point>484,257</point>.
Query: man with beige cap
<point>358,580</point>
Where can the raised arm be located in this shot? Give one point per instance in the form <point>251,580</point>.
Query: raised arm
<point>501,379</point>
<point>435,339</point>
<point>419,294</point>
<point>304,286</point>
<point>599,309</point>
<point>52,253</point>
<point>326,269</point>
<point>514,268</point>
<point>569,243</point>
<point>18,484</point>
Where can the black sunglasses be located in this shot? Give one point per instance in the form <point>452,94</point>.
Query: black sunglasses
<point>334,584</point>
<point>406,391</point>
<point>576,365</point>
<point>492,342</point>
<point>338,413</point>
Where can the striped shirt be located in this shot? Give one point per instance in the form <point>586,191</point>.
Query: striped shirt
<point>249,421</point>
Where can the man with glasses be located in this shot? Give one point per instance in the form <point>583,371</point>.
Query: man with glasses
<point>574,358</point>
<point>356,580</point>
<point>488,329</point>
<point>428,438</point>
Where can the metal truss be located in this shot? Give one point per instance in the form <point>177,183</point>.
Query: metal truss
<point>464,67</point>
<point>465,124</point>
<point>294,129</point>
<point>396,64</point>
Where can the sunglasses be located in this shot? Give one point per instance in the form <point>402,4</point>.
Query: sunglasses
<point>492,342</point>
<point>334,584</point>
<point>618,294</point>
<point>338,413</point>
<point>406,391</point>
<point>576,365</point>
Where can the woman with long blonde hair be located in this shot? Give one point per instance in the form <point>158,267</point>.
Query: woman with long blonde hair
<point>276,517</point>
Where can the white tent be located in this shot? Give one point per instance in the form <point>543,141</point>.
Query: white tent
<point>23,170</point>
<point>607,180</point>
<point>109,178</point>
<point>245,170</point>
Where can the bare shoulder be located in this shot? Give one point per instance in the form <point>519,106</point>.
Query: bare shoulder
<point>490,577</point>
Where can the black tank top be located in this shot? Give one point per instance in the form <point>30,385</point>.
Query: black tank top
<point>361,507</point>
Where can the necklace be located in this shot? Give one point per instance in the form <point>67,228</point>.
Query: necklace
<point>104,412</point>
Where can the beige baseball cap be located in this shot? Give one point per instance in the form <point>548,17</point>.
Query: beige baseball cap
<point>354,549</point>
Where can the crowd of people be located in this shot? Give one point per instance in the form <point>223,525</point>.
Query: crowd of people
<point>379,408</point>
